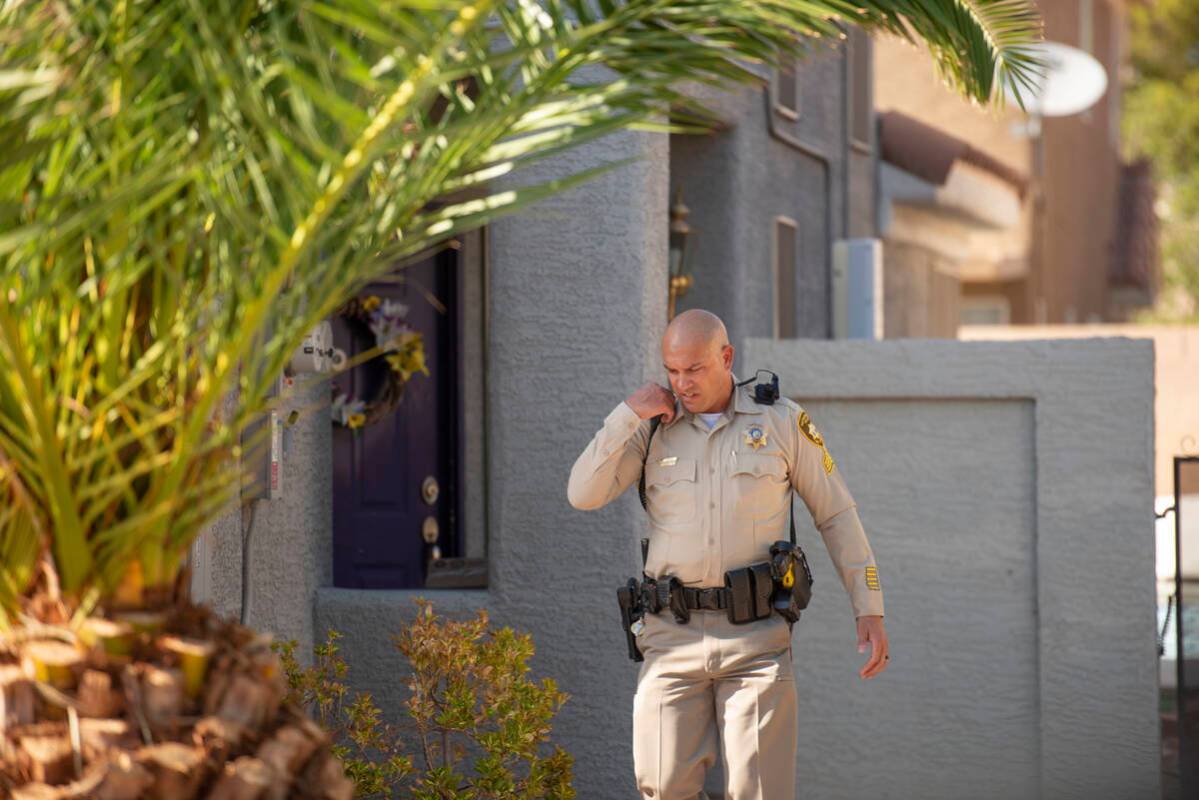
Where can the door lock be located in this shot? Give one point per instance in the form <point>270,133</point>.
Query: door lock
<point>430,530</point>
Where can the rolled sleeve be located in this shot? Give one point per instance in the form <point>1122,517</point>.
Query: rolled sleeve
<point>611,462</point>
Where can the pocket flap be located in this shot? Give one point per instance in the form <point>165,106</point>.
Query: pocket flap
<point>759,465</point>
<point>657,474</point>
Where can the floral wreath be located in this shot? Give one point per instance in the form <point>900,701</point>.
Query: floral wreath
<point>405,357</point>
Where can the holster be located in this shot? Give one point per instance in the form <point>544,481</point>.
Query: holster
<point>631,611</point>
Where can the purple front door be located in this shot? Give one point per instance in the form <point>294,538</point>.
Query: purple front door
<point>397,480</point>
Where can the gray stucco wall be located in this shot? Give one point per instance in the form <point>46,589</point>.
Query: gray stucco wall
<point>291,545</point>
<point>1008,494</point>
<point>290,541</point>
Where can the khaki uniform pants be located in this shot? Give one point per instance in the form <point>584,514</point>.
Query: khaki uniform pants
<point>710,675</point>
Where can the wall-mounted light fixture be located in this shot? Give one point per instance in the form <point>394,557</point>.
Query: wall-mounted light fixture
<point>680,279</point>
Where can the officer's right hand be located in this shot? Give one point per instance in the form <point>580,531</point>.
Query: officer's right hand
<point>651,400</point>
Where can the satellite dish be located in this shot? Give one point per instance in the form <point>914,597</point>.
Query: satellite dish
<point>1073,81</point>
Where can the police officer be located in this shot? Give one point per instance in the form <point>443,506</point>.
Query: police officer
<point>719,475</point>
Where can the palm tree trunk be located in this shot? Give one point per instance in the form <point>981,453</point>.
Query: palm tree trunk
<point>192,709</point>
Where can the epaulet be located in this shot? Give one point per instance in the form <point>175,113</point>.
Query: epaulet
<point>789,403</point>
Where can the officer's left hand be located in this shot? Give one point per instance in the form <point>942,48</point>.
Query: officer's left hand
<point>870,629</point>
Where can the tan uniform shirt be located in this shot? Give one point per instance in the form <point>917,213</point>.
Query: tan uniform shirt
<point>718,499</point>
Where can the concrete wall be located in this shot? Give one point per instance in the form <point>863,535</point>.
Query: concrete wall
<point>1175,378</point>
<point>1007,491</point>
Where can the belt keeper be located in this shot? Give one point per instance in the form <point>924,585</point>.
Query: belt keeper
<point>678,601</point>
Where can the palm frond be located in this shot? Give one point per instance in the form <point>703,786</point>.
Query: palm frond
<point>187,187</point>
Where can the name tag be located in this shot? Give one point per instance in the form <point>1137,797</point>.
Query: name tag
<point>669,461</point>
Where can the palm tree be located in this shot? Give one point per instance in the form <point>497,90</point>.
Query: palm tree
<point>188,187</point>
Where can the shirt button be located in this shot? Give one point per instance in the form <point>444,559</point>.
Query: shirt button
<point>713,470</point>
<point>712,504</point>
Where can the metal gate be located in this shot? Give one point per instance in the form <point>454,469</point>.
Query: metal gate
<point>1180,711</point>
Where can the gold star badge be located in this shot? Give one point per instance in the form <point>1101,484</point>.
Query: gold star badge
<point>755,437</point>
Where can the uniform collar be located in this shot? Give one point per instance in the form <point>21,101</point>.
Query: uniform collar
<point>743,399</point>
<point>742,403</point>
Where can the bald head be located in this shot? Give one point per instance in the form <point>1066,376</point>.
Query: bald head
<point>699,360</point>
<point>696,327</point>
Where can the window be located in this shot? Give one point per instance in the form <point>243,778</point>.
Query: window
<point>786,256</point>
<point>861,100</point>
<point>786,90</point>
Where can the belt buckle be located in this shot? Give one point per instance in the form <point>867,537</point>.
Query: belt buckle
<point>709,599</point>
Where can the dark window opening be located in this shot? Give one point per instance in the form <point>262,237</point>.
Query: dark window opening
<point>786,255</point>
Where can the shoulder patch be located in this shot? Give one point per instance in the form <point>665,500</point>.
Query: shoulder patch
<point>808,429</point>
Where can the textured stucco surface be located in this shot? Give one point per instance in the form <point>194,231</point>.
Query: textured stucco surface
<point>958,567</point>
<point>1176,378</point>
<point>737,181</point>
<point>578,300</point>
<point>290,548</point>
<point>1007,490</point>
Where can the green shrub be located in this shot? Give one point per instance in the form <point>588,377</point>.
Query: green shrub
<point>478,725</point>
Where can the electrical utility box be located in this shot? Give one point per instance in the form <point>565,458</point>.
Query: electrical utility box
<point>857,289</point>
<point>262,456</point>
<point>262,440</point>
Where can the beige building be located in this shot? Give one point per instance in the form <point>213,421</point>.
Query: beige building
<point>986,220</point>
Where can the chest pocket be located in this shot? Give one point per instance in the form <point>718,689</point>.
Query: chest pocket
<point>670,491</point>
<point>759,486</point>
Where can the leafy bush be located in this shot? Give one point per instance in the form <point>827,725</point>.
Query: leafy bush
<point>479,726</point>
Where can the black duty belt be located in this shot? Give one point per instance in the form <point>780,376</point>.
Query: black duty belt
<point>714,599</point>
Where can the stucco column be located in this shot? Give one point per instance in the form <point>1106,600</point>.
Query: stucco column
<point>290,551</point>
<point>291,548</point>
<point>578,305</point>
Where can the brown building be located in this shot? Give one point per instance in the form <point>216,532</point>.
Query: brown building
<point>985,219</point>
